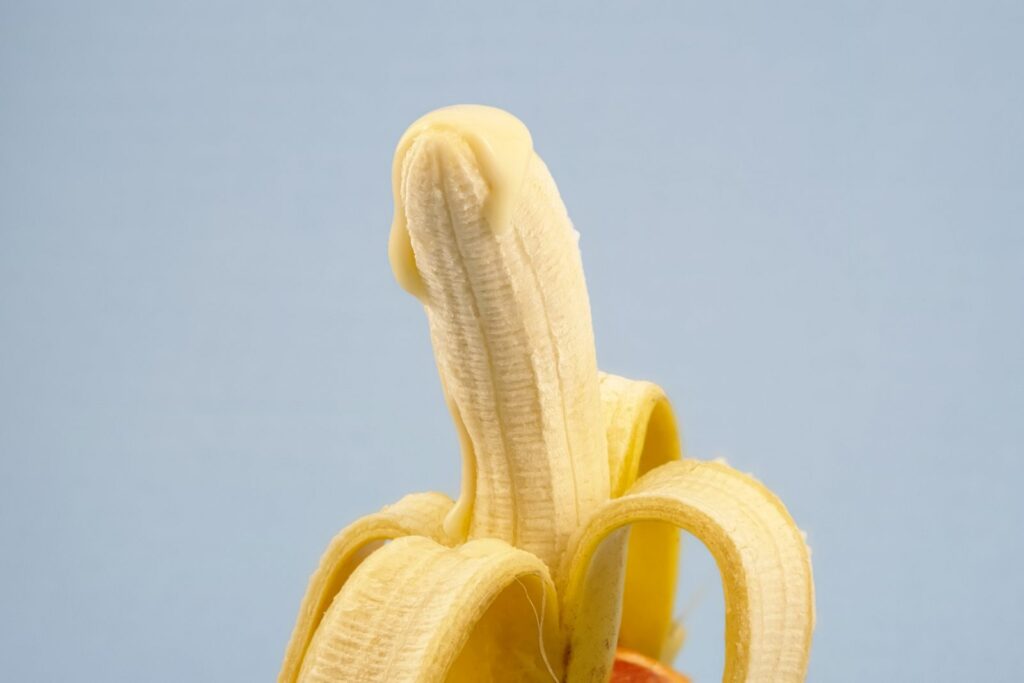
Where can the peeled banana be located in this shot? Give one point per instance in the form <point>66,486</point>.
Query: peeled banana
<point>563,543</point>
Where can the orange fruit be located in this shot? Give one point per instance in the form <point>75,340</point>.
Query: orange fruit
<point>633,667</point>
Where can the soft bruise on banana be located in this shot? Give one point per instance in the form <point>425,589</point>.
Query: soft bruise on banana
<point>564,539</point>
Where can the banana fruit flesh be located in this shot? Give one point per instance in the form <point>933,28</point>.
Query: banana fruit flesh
<point>563,543</point>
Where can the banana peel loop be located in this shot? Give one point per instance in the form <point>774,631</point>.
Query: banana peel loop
<point>418,514</point>
<point>760,553</point>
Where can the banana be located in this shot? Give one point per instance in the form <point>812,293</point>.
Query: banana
<point>418,514</point>
<point>502,285</point>
<point>563,542</point>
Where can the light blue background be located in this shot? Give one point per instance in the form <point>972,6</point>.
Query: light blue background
<point>803,219</point>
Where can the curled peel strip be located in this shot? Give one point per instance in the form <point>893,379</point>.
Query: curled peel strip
<point>642,434</point>
<point>760,552</point>
<point>417,514</point>
<point>419,611</point>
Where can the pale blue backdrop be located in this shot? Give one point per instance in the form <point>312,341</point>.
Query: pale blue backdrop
<point>803,219</point>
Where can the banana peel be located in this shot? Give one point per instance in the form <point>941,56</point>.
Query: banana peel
<point>562,547</point>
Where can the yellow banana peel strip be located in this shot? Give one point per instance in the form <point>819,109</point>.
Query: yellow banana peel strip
<point>760,552</point>
<point>417,514</point>
<point>642,434</point>
<point>416,610</point>
<point>640,428</point>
